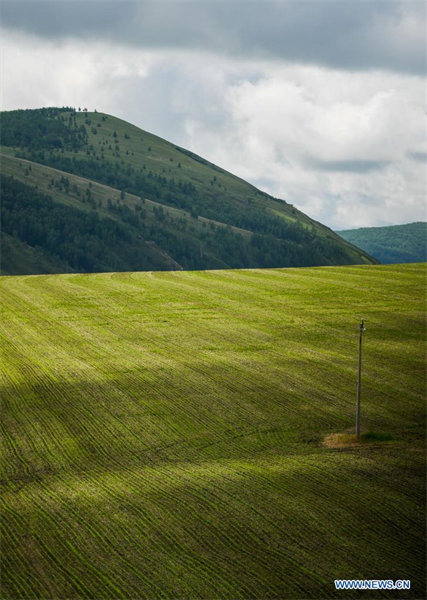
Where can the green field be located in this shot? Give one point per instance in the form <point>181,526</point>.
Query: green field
<point>162,433</point>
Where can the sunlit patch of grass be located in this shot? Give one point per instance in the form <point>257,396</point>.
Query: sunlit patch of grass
<point>349,440</point>
<point>340,440</point>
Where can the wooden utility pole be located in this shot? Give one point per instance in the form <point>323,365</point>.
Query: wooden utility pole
<point>359,380</point>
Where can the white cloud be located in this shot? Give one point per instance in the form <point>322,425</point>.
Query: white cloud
<point>40,73</point>
<point>340,145</point>
<point>335,143</point>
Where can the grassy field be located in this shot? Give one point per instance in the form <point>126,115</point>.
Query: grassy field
<point>162,433</point>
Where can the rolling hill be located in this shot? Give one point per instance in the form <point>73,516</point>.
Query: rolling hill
<point>165,434</point>
<point>87,192</point>
<point>392,244</point>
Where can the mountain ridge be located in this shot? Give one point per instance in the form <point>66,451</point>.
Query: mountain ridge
<point>403,243</point>
<point>191,210</point>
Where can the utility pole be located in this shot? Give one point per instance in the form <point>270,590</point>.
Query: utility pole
<point>359,380</point>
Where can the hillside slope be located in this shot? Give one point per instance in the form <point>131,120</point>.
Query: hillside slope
<point>173,208</point>
<point>162,433</point>
<point>393,244</point>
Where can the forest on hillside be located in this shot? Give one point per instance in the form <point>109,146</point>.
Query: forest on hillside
<point>214,227</point>
<point>88,242</point>
<point>394,244</point>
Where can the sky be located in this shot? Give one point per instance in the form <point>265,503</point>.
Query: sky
<point>319,102</point>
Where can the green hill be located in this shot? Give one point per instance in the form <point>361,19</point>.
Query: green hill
<point>392,244</point>
<point>163,433</point>
<point>89,192</point>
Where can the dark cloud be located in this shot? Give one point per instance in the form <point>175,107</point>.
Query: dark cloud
<point>348,34</point>
<point>56,18</point>
<point>418,156</point>
<point>348,166</point>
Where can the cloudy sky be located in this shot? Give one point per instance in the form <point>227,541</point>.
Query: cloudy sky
<point>321,103</point>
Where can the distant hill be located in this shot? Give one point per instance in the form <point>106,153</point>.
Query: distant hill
<point>88,192</point>
<point>392,244</point>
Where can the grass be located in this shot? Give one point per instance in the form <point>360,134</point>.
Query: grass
<point>163,433</point>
